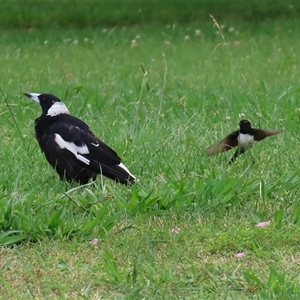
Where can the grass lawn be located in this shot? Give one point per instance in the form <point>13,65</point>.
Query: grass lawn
<point>176,234</point>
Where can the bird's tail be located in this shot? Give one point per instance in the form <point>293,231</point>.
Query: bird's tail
<point>118,173</point>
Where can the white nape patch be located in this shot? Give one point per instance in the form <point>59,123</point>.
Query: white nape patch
<point>245,140</point>
<point>124,168</point>
<point>76,150</point>
<point>96,145</point>
<point>57,108</point>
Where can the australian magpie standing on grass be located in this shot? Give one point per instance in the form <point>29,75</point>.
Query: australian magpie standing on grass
<point>71,147</point>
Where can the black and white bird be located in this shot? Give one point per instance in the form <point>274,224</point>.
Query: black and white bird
<point>70,146</point>
<point>243,139</point>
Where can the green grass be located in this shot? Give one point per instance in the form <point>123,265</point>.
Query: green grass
<point>198,87</point>
<point>83,14</point>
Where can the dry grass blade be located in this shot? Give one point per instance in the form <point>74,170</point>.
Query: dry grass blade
<point>145,78</point>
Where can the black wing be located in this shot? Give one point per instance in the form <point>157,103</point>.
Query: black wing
<point>229,142</point>
<point>260,134</point>
<point>92,152</point>
<point>73,130</point>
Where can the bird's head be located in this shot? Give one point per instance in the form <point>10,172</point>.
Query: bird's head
<point>245,126</point>
<point>51,105</point>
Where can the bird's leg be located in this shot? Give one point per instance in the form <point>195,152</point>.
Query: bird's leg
<point>236,154</point>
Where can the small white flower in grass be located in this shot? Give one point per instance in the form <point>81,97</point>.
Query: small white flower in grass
<point>137,37</point>
<point>262,224</point>
<point>133,43</point>
<point>198,32</point>
<point>241,115</point>
<point>231,29</point>
<point>240,254</point>
<point>280,120</point>
<point>175,230</point>
<point>86,39</point>
<point>75,42</point>
<point>166,42</point>
<point>45,42</point>
<point>104,30</point>
<point>187,38</point>
<point>222,26</point>
<point>227,118</point>
<point>94,242</point>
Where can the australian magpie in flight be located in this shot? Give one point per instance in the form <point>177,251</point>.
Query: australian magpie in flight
<point>70,146</point>
<point>243,139</point>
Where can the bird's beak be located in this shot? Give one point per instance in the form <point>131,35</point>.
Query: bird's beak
<point>33,96</point>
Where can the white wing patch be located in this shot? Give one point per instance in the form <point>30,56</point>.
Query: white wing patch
<point>57,108</point>
<point>76,150</point>
<point>245,140</point>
